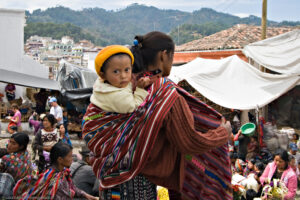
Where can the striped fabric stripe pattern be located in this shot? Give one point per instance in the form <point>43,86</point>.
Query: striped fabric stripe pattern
<point>207,176</point>
<point>121,143</point>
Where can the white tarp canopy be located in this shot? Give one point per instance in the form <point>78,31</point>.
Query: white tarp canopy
<point>233,83</point>
<point>280,54</point>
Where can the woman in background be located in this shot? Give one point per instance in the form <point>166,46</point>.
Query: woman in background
<point>55,182</point>
<point>17,161</point>
<point>44,141</point>
<point>280,169</point>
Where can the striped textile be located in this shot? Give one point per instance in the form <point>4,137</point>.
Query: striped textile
<point>121,143</point>
<point>207,176</point>
<point>41,186</point>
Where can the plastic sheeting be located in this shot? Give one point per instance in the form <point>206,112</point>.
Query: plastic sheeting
<point>280,54</point>
<point>26,80</point>
<point>75,82</point>
<point>233,83</point>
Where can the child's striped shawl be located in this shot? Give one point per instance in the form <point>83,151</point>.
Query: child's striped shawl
<point>121,143</point>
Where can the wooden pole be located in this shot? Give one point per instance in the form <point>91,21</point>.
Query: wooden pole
<point>264,20</point>
<point>262,111</point>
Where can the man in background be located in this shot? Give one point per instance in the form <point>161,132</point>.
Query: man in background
<point>56,110</point>
<point>83,175</point>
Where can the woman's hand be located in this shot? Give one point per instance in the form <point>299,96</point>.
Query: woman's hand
<point>144,82</point>
<point>47,148</point>
<point>90,197</point>
<point>226,125</point>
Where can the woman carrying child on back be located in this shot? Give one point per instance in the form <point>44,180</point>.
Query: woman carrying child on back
<point>146,145</point>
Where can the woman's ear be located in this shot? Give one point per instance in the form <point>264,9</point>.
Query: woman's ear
<point>59,160</point>
<point>163,54</point>
<point>21,147</point>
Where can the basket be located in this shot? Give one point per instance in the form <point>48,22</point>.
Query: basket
<point>248,129</point>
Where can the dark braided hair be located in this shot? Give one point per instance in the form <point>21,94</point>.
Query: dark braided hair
<point>147,48</point>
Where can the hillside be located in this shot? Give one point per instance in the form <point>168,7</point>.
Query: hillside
<point>111,27</point>
<point>56,31</point>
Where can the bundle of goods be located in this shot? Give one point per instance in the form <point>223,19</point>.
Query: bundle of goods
<point>284,138</point>
<point>288,131</point>
<point>275,189</point>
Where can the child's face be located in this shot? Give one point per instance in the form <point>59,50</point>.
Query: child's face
<point>255,168</point>
<point>118,71</point>
<point>293,163</point>
<point>294,137</point>
<point>250,165</point>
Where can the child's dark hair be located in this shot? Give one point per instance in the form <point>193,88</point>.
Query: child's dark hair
<point>14,128</point>
<point>297,136</point>
<point>15,106</point>
<point>58,125</point>
<point>22,139</point>
<point>51,119</point>
<point>147,48</point>
<point>252,160</point>
<point>104,66</point>
<point>60,149</point>
<point>233,155</point>
<point>260,165</point>
<point>250,194</point>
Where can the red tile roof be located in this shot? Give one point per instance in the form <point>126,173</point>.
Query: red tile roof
<point>235,37</point>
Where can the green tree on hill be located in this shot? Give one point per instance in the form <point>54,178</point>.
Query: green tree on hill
<point>56,31</point>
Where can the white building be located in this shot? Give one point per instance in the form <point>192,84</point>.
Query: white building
<point>15,66</point>
<point>67,40</point>
<point>12,54</point>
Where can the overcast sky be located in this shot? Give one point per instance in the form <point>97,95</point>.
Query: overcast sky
<point>278,10</point>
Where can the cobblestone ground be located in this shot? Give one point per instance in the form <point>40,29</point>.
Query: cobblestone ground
<point>3,143</point>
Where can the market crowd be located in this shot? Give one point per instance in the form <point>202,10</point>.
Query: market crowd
<point>260,171</point>
<point>143,130</point>
<point>49,169</point>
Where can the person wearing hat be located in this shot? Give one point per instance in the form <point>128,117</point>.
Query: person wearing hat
<point>56,110</point>
<point>113,91</point>
<point>294,151</point>
<point>82,173</point>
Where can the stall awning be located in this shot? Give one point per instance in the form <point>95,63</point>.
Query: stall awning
<point>233,83</point>
<point>280,54</point>
<point>27,80</point>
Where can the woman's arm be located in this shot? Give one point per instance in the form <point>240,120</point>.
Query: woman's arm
<point>90,197</point>
<point>292,187</point>
<point>180,130</point>
<point>265,174</point>
<point>14,119</point>
<point>80,193</point>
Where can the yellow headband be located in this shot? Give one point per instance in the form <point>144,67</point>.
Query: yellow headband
<point>109,51</point>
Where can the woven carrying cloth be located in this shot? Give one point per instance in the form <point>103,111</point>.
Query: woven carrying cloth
<point>121,143</point>
<point>42,186</point>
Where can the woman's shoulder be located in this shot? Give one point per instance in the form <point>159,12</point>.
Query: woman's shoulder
<point>290,172</point>
<point>271,164</point>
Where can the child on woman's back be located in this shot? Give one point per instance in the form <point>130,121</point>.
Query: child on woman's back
<point>113,92</point>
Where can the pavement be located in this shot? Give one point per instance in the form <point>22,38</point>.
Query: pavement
<point>76,142</point>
